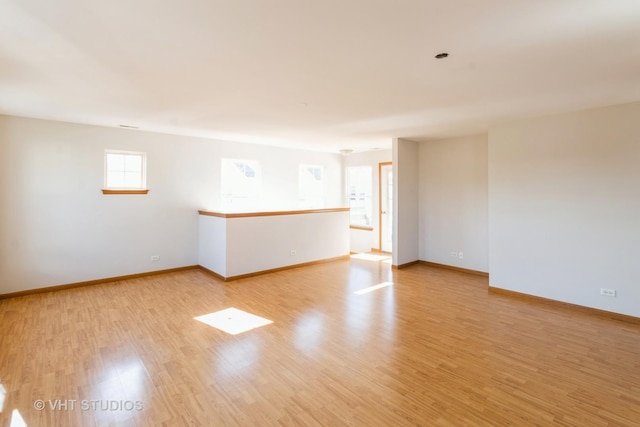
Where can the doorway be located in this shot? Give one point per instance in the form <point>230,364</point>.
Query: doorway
<point>385,216</point>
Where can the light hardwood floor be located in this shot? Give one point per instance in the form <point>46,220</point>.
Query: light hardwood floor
<point>433,349</point>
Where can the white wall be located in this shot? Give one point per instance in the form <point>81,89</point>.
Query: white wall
<point>236,246</point>
<point>564,207</point>
<point>263,243</point>
<point>56,227</point>
<point>365,240</point>
<point>405,202</point>
<point>453,202</point>
<point>212,244</point>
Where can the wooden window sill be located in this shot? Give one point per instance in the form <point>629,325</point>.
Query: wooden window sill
<point>107,191</point>
<point>361,227</point>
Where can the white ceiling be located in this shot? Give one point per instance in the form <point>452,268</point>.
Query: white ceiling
<point>318,74</point>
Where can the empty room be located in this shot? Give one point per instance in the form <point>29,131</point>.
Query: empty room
<point>320,213</point>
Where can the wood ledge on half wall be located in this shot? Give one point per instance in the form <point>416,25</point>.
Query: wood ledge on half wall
<point>269,213</point>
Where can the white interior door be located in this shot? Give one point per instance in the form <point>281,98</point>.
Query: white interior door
<point>386,207</point>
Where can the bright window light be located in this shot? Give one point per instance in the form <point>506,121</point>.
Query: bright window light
<point>359,189</point>
<point>17,420</point>
<point>125,170</point>
<point>373,288</point>
<point>233,321</point>
<point>311,186</point>
<point>240,184</point>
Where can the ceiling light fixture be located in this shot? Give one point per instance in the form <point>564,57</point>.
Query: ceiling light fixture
<point>346,151</point>
<point>442,55</point>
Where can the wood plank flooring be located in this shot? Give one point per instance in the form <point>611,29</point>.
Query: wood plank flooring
<point>434,349</point>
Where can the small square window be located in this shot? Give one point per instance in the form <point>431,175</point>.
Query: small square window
<point>125,172</point>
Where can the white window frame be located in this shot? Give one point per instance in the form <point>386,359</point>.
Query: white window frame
<point>143,170</point>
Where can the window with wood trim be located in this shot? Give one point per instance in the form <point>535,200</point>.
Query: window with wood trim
<point>241,184</point>
<point>359,191</point>
<point>311,187</point>
<point>125,172</point>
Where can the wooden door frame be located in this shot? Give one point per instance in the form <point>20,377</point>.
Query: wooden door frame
<point>380,165</point>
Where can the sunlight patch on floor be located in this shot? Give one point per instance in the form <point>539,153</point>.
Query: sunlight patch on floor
<point>373,288</point>
<point>372,257</point>
<point>233,321</point>
<point>3,393</point>
<point>17,420</point>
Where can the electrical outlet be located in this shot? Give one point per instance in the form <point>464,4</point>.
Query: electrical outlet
<point>155,257</point>
<point>608,292</point>
<point>292,252</point>
<point>460,255</point>
<point>454,254</point>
